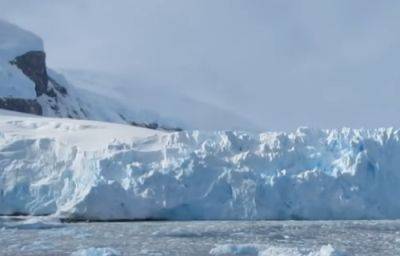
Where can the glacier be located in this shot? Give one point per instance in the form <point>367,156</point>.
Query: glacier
<point>89,170</point>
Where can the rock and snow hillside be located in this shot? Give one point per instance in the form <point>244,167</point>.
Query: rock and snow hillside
<point>91,170</point>
<point>188,111</point>
<point>28,85</point>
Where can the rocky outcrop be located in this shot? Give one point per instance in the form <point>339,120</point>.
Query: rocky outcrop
<point>33,65</point>
<point>156,126</point>
<point>21,105</point>
<point>48,90</point>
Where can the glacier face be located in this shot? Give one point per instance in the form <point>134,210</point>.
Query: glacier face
<point>92,170</point>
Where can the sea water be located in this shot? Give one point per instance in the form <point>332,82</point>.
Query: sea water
<point>201,238</point>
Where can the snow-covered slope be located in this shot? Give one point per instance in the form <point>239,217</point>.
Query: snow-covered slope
<point>27,85</point>
<point>15,42</point>
<point>188,111</point>
<point>93,170</point>
<point>96,105</point>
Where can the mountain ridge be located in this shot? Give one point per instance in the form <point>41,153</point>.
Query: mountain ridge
<point>30,86</point>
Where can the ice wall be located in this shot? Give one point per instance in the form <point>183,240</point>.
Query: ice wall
<point>307,174</point>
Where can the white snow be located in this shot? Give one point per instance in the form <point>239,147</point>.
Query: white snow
<point>14,42</point>
<point>96,252</point>
<point>94,170</point>
<point>85,135</point>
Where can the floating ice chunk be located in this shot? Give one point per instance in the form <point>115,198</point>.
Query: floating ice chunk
<point>328,250</point>
<point>235,249</point>
<point>254,250</point>
<point>30,223</point>
<point>263,250</point>
<point>97,252</point>
<point>280,251</point>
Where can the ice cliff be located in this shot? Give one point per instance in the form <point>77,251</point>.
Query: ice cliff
<point>90,170</point>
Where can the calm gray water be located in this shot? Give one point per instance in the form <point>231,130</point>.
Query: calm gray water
<point>198,238</point>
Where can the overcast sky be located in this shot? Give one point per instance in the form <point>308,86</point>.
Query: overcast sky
<point>279,63</point>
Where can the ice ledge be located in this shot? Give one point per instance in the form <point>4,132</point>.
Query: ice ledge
<point>95,171</point>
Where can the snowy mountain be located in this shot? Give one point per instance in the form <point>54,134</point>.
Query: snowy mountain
<point>190,112</point>
<point>80,169</point>
<point>28,85</point>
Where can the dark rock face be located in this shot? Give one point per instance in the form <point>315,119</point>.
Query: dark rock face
<point>33,65</point>
<point>21,105</point>
<point>156,126</point>
<point>58,87</point>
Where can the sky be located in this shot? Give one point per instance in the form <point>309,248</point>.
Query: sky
<point>279,64</point>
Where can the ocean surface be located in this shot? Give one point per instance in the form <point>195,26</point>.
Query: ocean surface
<point>27,237</point>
